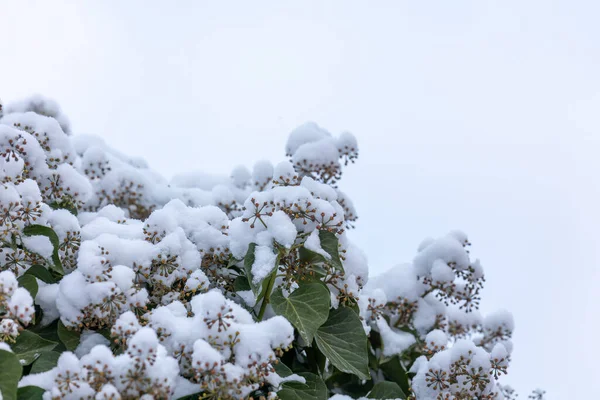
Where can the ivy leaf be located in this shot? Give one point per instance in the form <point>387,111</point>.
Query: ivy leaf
<point>310,257</point>
<point>68,337</point>
<point>10,373</point>
<point>281,369</point>
<point>343,341</point>
<point>47,332</point>
<point>30,393</point>
<point>313,389</point>
<point>29,346</point>
<point>40,230</point>
<point>45,362</point>
<point>248,263</point>
<point>329,243</point>
<point>240,284</point>
<point>41,273</point>
<point>29,283</point>
<point>394,371</point>
<point>307,308</point>
<point>350,385</point>
<point>386,390</point>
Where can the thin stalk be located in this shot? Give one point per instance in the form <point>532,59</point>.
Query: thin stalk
<point>267,298</point>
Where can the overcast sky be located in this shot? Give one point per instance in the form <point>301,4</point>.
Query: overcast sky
<point>477,115</point>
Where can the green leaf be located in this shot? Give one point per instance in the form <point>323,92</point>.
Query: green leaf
<point>248,262</point>
<point>65,204</point>
<point>240,284</point>
<point>329,243</point>
<point>40,230</point>
<point>41,273</point>
<point>307,308</point>
<point>343,341</point>
<point>48,332</point>
<point>29,283</point>
<point>30,393</point>
<point>313,389</point>
<point>29,346</point>
<point>10,373</point>
<point>386,390</point>
<point>394,371</point>
<point>68,337</point>
<point>350,385</point>
<point>281,369</point>
<point>194,396</point>
<point>45,362</point>
<point>309,256</point>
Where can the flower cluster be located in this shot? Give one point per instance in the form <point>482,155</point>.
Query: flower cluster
<point>143,371</point>
<point>430,307</point>
<point>244,286</point>
<point>218,351</point>
<point>16,307</point>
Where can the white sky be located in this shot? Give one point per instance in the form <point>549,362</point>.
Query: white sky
<point>477,115</point>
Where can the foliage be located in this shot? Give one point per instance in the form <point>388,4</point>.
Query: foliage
<point>117,284</point>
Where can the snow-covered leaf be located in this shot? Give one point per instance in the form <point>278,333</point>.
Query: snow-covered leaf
<point>313,389</point>
<point>329,243</point>
<point>33,230</point>
<point>28,282</point>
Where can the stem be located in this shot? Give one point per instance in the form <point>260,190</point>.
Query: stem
<point>267,298</point>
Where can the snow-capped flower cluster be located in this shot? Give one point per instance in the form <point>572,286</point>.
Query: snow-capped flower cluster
<point>431,306</point>
<point>163,289</point>
<point>16,307</point>
<point>314,151</point>
<point>219,350</point>
<point>144,370</point>
<point>464,371</point>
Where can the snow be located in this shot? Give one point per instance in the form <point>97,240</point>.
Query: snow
<point>447,249</point>
<point>264,263</point>
<point>436,339</point>
<point>394,342</point>
<point>88,340</point>
<point>324,152</point>
<point>41,105</point>
<point>46,299</point>
<point>398,282</point>
<point>442,273</point>
<point>313,243</point>
<point>262,174</point>
<point>282,229</point>
<point>499,320</point>
<point>38,244</point>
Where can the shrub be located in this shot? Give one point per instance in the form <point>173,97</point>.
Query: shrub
<point>117,284</point>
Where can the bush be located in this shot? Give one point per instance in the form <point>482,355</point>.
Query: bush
<point>117,284</point>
